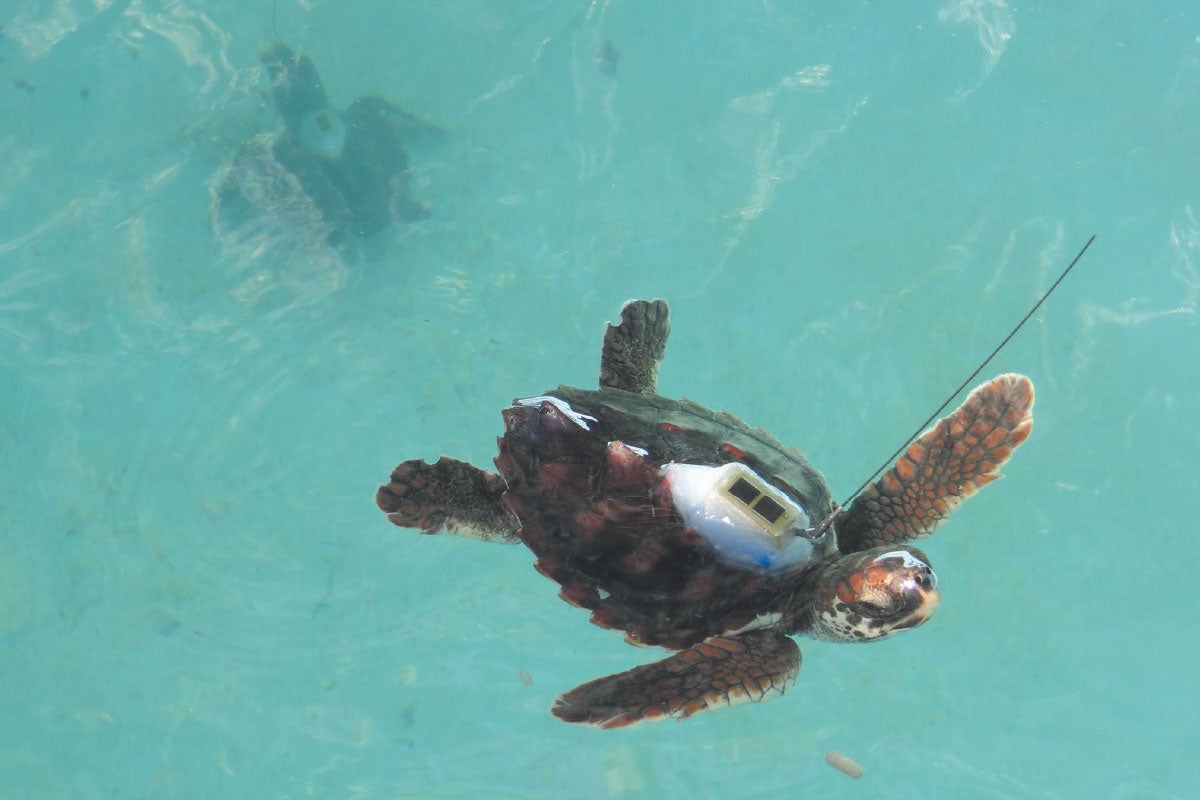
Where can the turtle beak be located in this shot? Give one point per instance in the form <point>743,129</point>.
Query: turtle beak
<point>916,585</point>
<point>926,599</point>
<point>876,593</point>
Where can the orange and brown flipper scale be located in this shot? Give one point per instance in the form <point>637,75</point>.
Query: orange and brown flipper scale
<point>721,671</point>
<point>948,463</point>
<point>448,496</point>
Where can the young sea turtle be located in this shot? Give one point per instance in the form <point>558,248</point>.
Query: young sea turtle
<point>685,528</point>
<point>349,166</point>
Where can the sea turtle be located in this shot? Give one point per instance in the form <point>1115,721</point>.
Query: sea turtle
<point>347,169</point>
<point>687,529</point>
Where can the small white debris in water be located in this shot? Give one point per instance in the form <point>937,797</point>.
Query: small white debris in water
<point>844,763</point>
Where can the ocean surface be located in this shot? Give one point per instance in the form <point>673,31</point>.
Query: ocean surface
<point>847,205</point>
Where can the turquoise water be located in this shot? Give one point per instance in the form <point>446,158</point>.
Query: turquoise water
<point>847,206</point>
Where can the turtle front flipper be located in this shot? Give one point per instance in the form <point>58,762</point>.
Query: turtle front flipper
<point>448,497</point>
<point>377,113</point>
<point>632,349</point>
<point>720,671</point>
<point>296,89</point>
<point>948,463</point>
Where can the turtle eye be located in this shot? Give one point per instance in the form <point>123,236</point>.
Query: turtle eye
<point>927,579</point>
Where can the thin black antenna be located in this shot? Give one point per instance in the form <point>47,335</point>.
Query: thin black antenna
<point>837,509</point>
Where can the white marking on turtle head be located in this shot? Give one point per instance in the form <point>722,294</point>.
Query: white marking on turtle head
<point>913,562</point>
<point>561,405</point>
<point>909,560</point>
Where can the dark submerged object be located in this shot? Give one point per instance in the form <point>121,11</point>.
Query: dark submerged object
<point>352,164</point>
<point>685,528</point>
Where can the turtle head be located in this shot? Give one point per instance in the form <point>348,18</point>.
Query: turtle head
<point>872,594</point>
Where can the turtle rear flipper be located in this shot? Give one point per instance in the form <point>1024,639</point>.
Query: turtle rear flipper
<point>720,671</point>
<point>448,497</point>
<point>951,461</point>
<point>632,349</point>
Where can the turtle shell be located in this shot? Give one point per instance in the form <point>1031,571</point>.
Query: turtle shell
<point>588,476</point>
